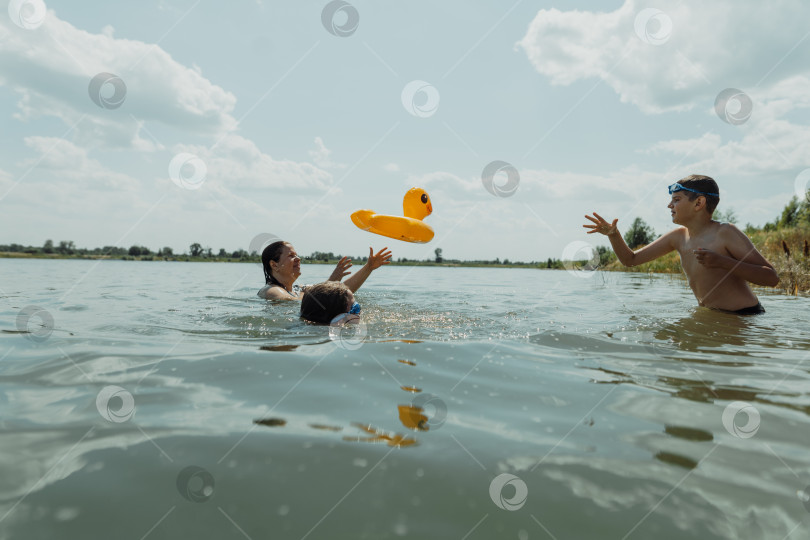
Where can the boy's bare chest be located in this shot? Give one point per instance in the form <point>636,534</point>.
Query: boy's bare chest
<point>687,247</point>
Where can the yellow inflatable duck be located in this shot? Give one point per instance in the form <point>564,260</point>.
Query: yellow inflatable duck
<point>410,228</point>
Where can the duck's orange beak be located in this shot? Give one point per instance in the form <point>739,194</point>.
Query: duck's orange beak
<point>430,208</point>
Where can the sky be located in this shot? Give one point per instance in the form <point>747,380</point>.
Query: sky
<point>169,122</point>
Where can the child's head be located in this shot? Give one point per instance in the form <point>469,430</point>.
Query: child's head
<point>696,185</point>
<point>325,301</point>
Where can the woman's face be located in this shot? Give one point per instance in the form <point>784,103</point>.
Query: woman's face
<point>288,265</point>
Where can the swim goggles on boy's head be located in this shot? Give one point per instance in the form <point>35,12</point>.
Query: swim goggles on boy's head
<point>352,316</point>
<point>677,187</point>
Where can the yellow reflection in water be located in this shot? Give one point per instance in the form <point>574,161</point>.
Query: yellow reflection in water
<point>380,436</point>
<point>412,417</point>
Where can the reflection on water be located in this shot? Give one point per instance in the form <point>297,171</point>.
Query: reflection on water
<point>625,410</point>
<point>381,436</point>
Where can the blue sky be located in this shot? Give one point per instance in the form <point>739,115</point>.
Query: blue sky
<point>597,105</point>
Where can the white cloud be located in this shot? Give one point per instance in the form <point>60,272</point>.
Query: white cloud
<point>541,184</point>
<point>713,46</point>
<point>52,67</point>
<point>698,146</point>
<point>62,161</point>
<point>320,156</point>
<point>769,143</point>
<point>236,162</point>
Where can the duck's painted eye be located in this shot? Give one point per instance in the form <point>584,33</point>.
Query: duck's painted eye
<point>424,198</point>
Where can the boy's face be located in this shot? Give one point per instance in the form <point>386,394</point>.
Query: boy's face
<point>681,207</point>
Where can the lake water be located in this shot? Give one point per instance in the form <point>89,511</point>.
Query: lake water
<point>165,400</point>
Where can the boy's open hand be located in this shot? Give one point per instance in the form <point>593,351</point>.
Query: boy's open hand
<point>375,261</point>
<point>341,270</point>
<point>708,258</point>
<point>600,225</point>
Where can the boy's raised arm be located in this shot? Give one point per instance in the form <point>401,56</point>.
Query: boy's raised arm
<point>627,256</point>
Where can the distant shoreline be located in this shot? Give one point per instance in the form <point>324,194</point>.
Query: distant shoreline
<point>256,260</point>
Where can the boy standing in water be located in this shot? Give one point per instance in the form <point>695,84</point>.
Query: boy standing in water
<point>719,260</point>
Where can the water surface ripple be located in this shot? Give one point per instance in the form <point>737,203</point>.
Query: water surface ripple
<point>166,400</point>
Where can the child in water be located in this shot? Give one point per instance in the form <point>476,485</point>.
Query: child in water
<point>719,260</point>
<point>325,302</point>
<point>282,267</point>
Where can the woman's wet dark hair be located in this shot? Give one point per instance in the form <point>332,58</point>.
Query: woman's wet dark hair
<point>325,301</point>
<point>272,253</point>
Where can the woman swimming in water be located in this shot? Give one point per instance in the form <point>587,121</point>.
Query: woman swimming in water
<point>282,266</point>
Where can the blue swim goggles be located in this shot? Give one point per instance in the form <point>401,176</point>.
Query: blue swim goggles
<point>352,316</point>
<point>677,187</point>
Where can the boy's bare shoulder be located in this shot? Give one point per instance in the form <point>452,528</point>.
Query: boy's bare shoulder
<point>676,236</point>
<point>732,237</point>
<point>728,228</point>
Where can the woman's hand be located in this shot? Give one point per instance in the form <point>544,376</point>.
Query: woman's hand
<point>375,261</point>
<point>341,270</point>
<point>601,226</point>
